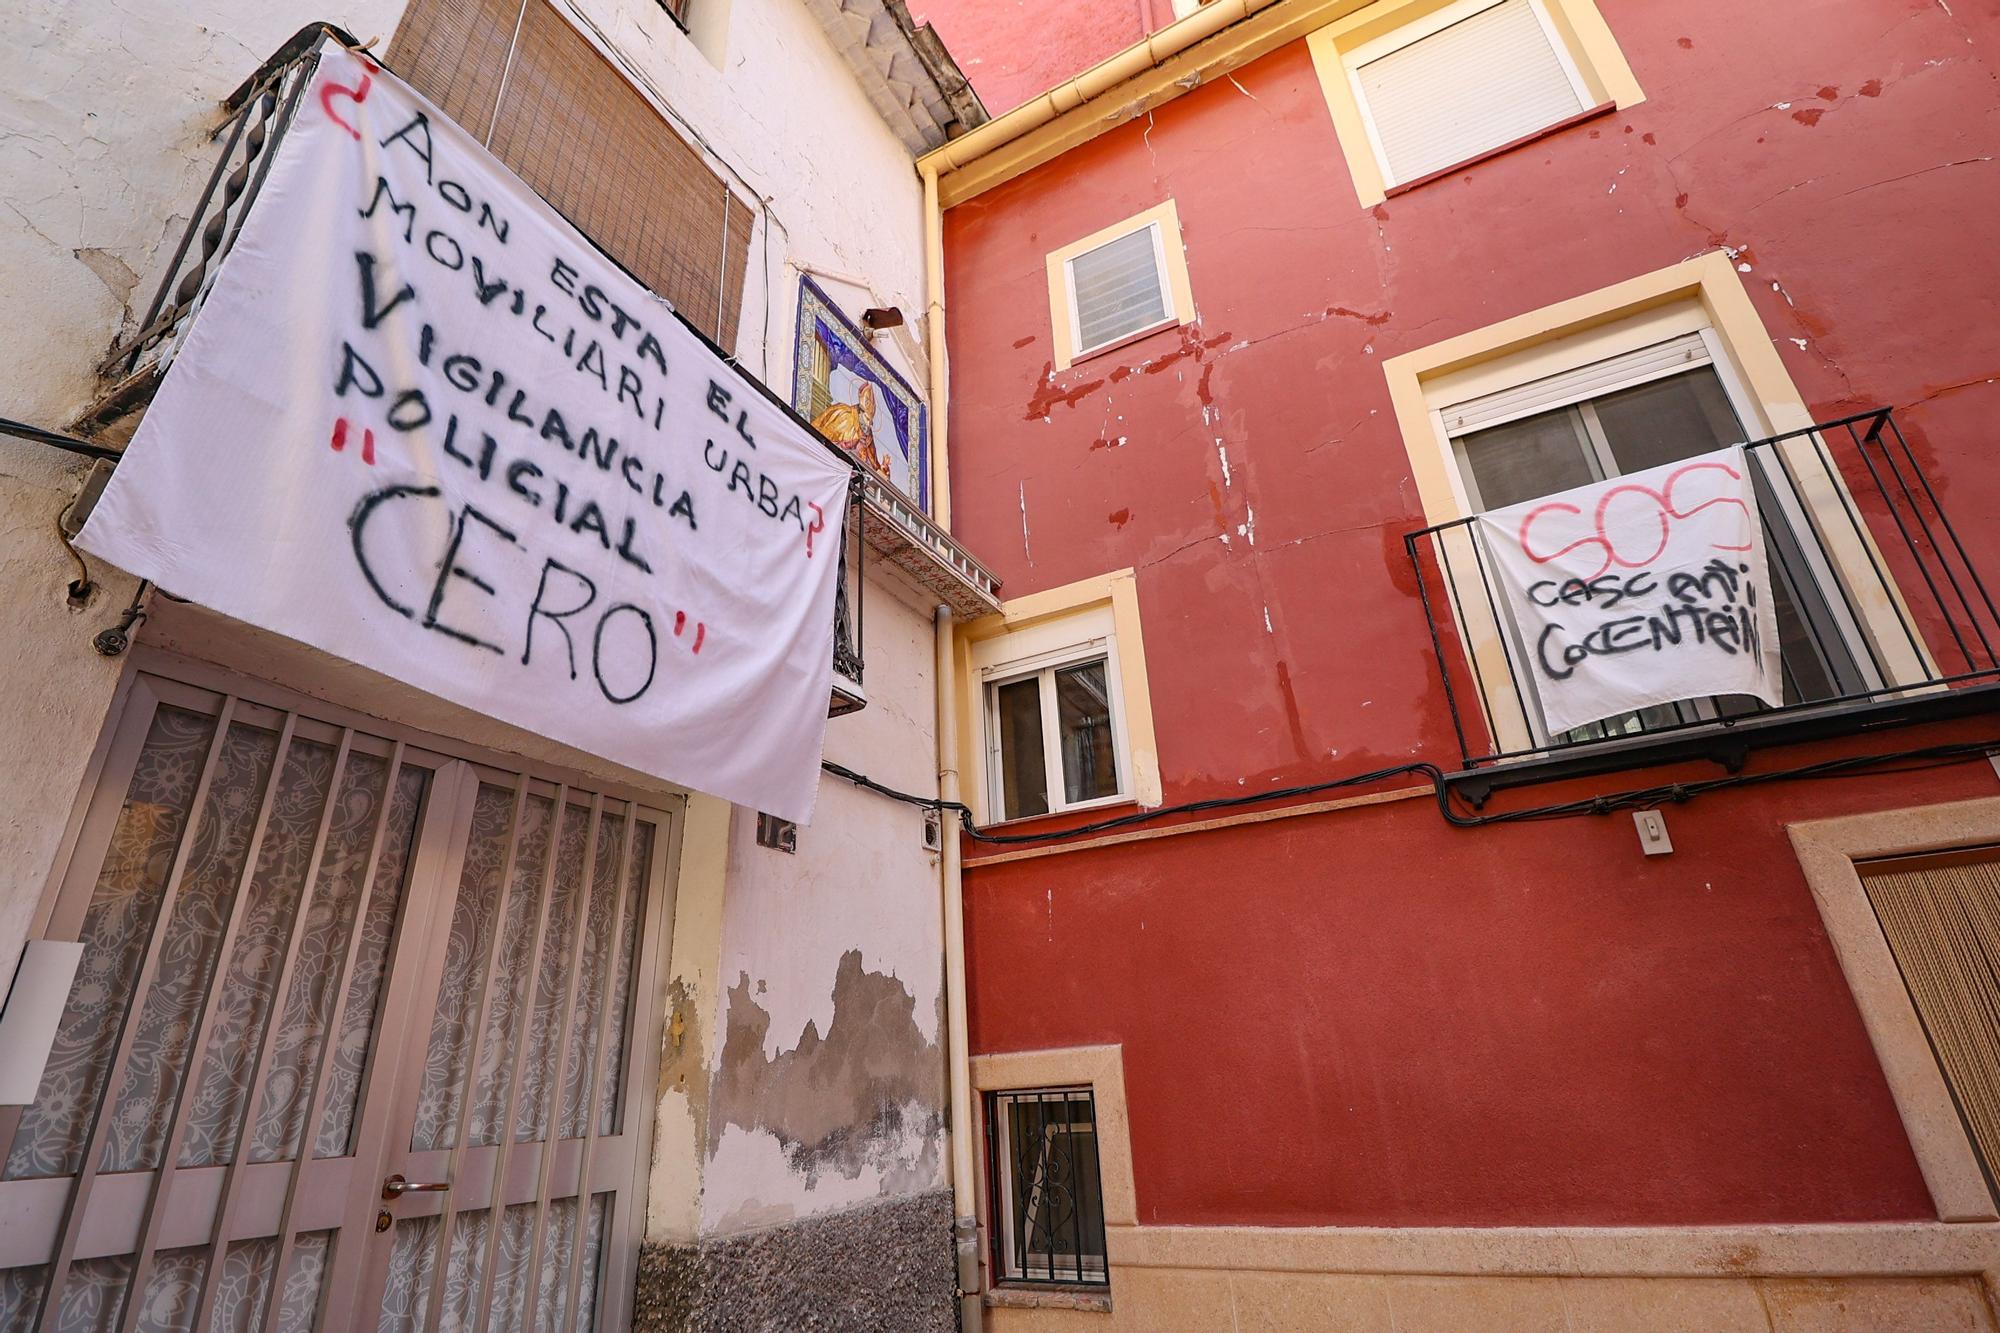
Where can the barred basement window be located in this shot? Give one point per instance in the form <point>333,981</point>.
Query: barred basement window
<point>1048,1199</point>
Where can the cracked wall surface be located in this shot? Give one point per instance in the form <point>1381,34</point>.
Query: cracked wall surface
<point>1499,1027</point>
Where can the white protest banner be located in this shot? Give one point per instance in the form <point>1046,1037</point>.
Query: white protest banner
<point>422,424</point>
<point>1644,589</point>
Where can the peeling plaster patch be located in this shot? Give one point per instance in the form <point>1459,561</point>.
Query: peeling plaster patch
<point>1247,529</point>
<point>1267,619</point>
<point>1799,343</point>
<point>682,1072</point>
<point>863,1102</point>
<point>1026,550</point>
<point>116,275</point>
<point>1223,454</point>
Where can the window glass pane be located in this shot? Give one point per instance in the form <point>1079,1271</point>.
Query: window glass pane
<point>1486,80</point>
<point>1024,779</point>
<point>1083,710</point>
<point>1532,457</point>
<point>1051,1219</point>
<point>1117,289</point>
<point>1667,420</point>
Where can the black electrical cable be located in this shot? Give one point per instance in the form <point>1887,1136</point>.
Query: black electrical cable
<point>56,440</point>
<point>1642,798</point>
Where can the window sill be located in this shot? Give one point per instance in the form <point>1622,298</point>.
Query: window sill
<point>1089,1300</point>
<point>1119,344</point>
<point>1602,109</point>
<point>1086,813</point>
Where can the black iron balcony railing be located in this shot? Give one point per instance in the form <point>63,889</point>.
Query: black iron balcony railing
<point>257,114</point>
<point>1879,602</point>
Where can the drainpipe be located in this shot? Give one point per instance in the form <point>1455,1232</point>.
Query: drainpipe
<point>934,340</point>
<point>965,1209</point>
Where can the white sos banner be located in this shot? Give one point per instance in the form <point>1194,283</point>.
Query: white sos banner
<point>422,424</point>
<point>1640,590</point>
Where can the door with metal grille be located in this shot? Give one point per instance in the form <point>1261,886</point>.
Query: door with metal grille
<point>354,1043</point>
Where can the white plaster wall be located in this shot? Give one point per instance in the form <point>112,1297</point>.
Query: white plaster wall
<point>105,115</point>
<point>104,145</point>
<point>782,111</point>
<point>861,880</point>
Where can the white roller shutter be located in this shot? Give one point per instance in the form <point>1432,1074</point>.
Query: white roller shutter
<point>1491,77</point>
<point>1117,288</point>
<point>1573,386</point>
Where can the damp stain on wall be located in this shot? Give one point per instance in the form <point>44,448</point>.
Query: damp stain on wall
<point>843,1101</point>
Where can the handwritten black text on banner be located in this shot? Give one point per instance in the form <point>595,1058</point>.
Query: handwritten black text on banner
<point>1644,589</point>
<point>421,423</point>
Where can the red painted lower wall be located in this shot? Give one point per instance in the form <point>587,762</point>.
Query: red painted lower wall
<point>1368,1018</point>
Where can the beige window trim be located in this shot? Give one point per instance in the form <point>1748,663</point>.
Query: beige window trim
<point>1042,622</point>
<point>1704,292</point>
<point>1102,1070</point>
<point>1827,850</point>
<point>1584,43</point>
<point>1177,288</point>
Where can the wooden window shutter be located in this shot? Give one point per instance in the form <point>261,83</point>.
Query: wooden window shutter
<point>577,131</point>
<point>1941,916</point>
<point>1486,80</point>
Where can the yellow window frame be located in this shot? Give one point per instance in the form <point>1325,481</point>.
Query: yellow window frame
<point>1587,44</point>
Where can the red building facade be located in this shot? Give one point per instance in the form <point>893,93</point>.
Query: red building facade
<point>1716,1081</point>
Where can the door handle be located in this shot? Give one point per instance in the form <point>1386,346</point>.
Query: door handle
<point>395,1187</point>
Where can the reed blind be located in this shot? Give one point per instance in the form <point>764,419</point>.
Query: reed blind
<point>574,128</point>
<point>1942,920</point>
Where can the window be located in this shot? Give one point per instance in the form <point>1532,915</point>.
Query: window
<point>1055,707</point>
<point>1416,87</point>
<point>1117,289</point>
<point>1473,76</point>
<point>1047,1193</point>
<point>1053,736</point>
<point>518,75</point>
<point>1636,411</point>
<point>1120,283</point>
<point>1941,916</point>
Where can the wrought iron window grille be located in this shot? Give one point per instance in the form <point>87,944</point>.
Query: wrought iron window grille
<point>1899,614</point>
<point>1046,1191</point>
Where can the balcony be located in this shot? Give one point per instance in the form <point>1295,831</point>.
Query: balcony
<point>257,114</point>
<point>1884,620</point>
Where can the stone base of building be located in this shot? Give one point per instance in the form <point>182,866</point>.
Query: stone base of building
<point>1860,1278</point>
<point>880,1266</point>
